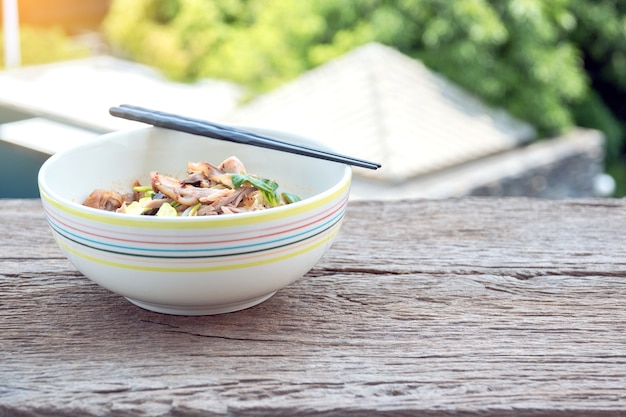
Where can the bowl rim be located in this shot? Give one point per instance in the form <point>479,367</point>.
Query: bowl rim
<point>49,196</point>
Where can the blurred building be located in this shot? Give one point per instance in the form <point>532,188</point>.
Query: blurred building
<point>433,139</point>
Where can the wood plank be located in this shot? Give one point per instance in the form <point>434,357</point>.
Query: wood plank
<point>453,307</point>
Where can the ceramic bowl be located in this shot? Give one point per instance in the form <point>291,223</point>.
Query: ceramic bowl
<point>191,265</point>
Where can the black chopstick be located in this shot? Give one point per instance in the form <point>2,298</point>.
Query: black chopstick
<point>229,133</point>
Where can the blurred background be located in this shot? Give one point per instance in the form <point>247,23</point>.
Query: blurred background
<point>486,98</point>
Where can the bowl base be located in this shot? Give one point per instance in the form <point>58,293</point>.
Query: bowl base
<point>199,310</point>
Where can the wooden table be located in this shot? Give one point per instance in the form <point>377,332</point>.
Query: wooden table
<point>490,307</point>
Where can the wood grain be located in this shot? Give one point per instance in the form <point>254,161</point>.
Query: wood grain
<point>503,307</point>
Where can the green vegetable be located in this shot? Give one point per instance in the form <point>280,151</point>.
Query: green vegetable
<point>289,198</point>
<point>194,209</point>
<point>145,189</point>
<point>142,188</point>
<point>265,186</point>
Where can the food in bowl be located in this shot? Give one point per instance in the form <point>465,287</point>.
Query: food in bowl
<point>191,265</point>
<point>207,190</point>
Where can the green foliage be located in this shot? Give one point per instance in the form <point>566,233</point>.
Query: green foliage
<point>257,43</point>
<point>40,46</point>
<point>601,36</point>
<point>514,53</point>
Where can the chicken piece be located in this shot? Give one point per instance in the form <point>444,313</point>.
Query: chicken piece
<point>187,195</point>
<point>225,179</point>
<point>232,165</point>
<point>197,180</point>
<point>108,200</point>
<point>206,211</point>
<point>233,199</point>
<point>206,169</point>
<point>250,201</point>
<point>233,210</point>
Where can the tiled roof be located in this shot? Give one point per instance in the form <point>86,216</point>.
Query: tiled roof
<point>378,104</point>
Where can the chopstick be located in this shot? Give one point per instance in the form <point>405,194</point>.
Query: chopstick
<point>229,133</point>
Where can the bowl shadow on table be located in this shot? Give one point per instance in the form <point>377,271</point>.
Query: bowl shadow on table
<point>98,314</point>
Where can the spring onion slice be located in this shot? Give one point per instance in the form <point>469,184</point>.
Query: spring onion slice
<point>290,198</point>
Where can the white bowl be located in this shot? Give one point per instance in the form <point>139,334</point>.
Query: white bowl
<point>191,265</point>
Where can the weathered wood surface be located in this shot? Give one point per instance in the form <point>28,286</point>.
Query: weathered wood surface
<point>457,307</point>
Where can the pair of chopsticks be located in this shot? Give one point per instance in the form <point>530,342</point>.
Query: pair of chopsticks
<point>229,133</point>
